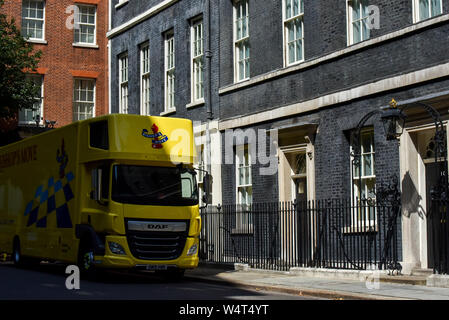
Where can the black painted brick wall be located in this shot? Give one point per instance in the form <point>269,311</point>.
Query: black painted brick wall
<point>177,18</point>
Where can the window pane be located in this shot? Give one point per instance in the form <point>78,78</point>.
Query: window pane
<point>356,32</point>
<point>295,7</point>
<point>423,9</point>
<point>291,52</point>
<point>298,50</point>
<point>435,7</point>
<point>288,9</point>
<point>355,10</point>
<point>291,31</point>
<point>367,165</point>
<point>367,143</point>
<point>244,27</point>
<point>298,27</point>
<point>366,29</point>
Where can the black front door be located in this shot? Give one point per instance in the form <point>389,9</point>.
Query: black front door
<point>437,229</point>
<point>432,175</point>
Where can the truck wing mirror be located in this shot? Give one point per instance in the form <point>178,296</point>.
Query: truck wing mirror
<point>96,184</point>
<point>207,187</point>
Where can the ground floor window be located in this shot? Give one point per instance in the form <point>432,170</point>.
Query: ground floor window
<point>244,189</point>
<point>30,116</point>
<point>364,181</point>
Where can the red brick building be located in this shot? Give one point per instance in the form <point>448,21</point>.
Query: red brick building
<point>72,72</point>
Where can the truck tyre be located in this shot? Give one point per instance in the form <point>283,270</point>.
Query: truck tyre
<point>16,253</point>
<point>18,259</point>
<point>86,259</point>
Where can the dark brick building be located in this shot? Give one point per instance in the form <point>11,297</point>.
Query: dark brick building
<point>309,70</point>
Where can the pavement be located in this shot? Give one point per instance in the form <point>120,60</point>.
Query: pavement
<point>375,287</point>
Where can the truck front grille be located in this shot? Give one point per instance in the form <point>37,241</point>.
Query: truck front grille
<point>156,245</point>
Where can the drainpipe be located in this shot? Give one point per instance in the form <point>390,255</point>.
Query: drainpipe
<point>208,93</point>
<point>208,54</point>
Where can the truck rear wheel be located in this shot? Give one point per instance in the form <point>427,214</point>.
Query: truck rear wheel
<point>16,253</point>
<point>18,259</point>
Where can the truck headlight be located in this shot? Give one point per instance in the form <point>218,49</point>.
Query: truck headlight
<point>193,249</point>
<point>116,248</point>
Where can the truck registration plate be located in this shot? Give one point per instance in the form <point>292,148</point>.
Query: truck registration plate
<point>156,267</point>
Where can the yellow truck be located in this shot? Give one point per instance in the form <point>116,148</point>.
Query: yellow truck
<point>117,191</point>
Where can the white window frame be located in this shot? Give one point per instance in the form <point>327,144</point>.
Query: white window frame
<point>169,74</point>
<point>197,61</point>
<point>39,100</point>
<point>34,19</point>
<point>76,113</point>
<point>361,19</point>
<point>80,24</point>
<point>358,223</point>
<point>243,222</point>
<point>417,12</point>
<point>145,90</point>
<point>241,41</point>
<point>121,3</point>
<point>123,82</point>
<point>286,22</point>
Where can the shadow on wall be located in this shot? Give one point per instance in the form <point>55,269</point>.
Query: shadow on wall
<point>411,199</point>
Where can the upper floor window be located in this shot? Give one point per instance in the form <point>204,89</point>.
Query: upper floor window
<point>85,25</point>
<point>145,79</point>
<point>425,9</point>
<point>169,72</point>
<point>83,99</point>
<point>33,19</point>
<point>30,116</point>
<point>123,81</point>
<point>197,54</point>
<point>358,21</point>
<point>293,31</point>
<point>241,40</point>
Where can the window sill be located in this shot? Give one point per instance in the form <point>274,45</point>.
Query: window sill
<point>121,4</point>
<point>29,124</point>
<point>169,111</point>
<point>85,45</point>
<point>37,41</point>
<point>195,104</point>
<point>292,64</point>
<point>236,82</point>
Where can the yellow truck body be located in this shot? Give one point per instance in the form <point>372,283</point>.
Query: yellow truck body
<point>146,213</point>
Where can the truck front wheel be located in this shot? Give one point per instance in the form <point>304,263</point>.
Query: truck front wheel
<point>86,258</point>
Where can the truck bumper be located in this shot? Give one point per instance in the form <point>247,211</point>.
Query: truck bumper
<point>127,260</point>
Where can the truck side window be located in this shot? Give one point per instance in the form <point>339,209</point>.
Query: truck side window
<point>105,181</point>
<point>99,137</point>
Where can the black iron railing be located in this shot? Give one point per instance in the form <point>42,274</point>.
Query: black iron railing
<point>321,234</point>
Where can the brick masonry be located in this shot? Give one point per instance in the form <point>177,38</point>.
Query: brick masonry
<point>60,58</point>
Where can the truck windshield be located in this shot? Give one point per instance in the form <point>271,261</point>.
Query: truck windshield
<point>153,186</point>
